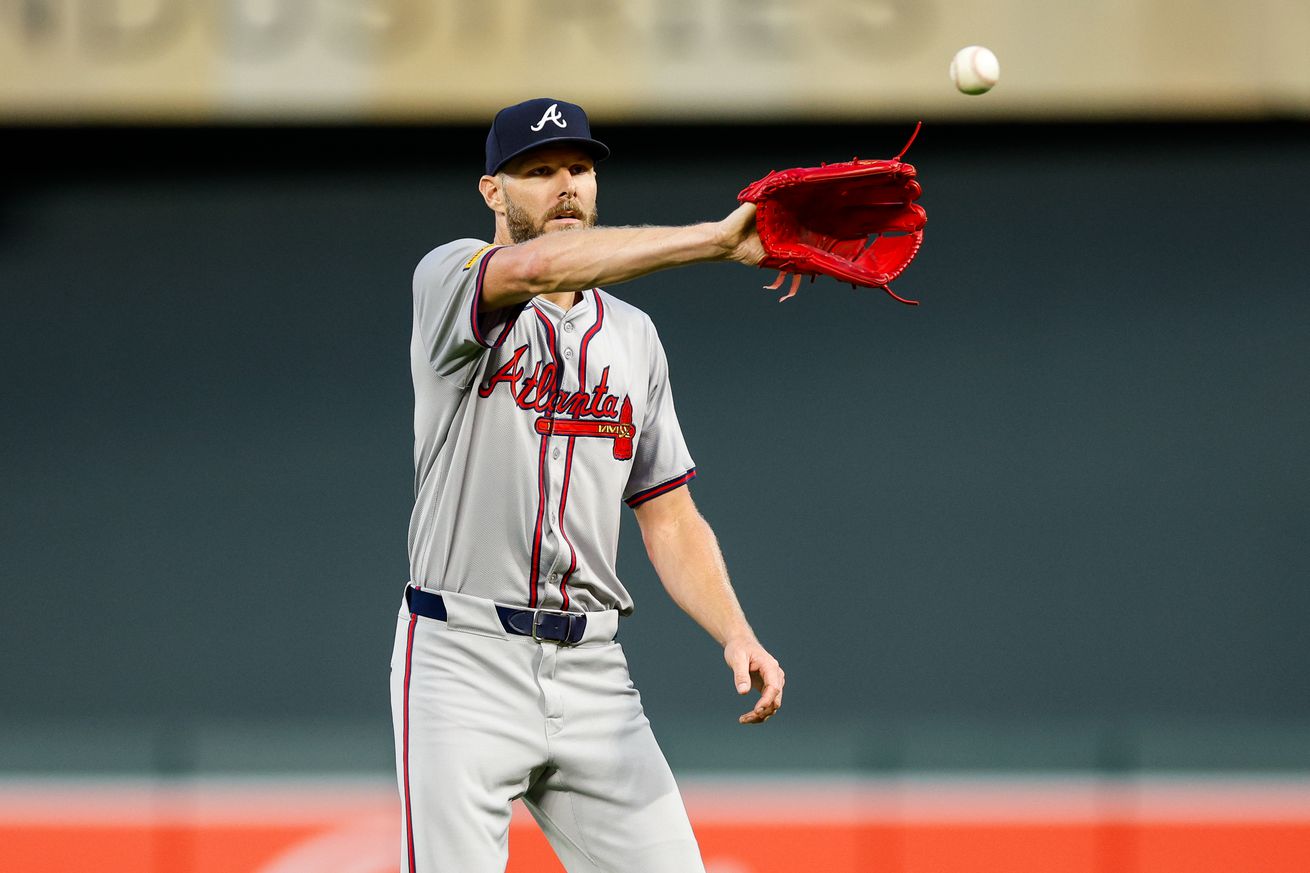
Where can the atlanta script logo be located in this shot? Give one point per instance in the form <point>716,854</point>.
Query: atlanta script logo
<point>563,411</point>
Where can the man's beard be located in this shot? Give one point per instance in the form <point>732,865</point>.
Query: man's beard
<point>522,228</point>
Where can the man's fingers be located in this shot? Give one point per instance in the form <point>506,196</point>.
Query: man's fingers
<point>770,699</point>
<point>743,214</point>
<point>773,679</point>
<point>741,675</point>
<point>756,668</point>
<point>756,716</point>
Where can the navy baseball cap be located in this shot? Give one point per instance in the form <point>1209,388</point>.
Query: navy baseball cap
<point>538,122</point>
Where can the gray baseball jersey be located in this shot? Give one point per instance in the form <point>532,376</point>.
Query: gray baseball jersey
<point>531,424</point>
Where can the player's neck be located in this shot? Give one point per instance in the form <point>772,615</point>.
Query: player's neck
<point>564,299</point>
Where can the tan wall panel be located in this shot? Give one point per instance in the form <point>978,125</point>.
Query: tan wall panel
<point>630,59</point>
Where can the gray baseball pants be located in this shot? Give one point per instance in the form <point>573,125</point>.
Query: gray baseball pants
<point>483,717</point>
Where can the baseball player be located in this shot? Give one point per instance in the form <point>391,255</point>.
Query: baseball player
<point>541,404</point>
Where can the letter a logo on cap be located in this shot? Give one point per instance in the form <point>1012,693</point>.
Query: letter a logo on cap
<point>552,114</point>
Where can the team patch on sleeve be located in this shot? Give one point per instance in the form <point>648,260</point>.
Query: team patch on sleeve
<point>478,254</point>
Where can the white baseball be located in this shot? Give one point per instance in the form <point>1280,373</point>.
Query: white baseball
<point>974,69</point>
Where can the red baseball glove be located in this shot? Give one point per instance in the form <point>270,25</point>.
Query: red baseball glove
<point>818,220</point>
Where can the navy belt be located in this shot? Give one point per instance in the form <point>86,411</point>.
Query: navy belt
<point>543,625</point>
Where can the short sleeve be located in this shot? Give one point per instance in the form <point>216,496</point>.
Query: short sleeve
<point>447,290</point>
<point>662,461</point>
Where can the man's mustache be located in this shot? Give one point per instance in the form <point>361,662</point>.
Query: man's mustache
<point>575,208</point>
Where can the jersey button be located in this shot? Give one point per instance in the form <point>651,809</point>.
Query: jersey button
<point>568,325</point>
<point>555,454</point>
<point>568,353</point>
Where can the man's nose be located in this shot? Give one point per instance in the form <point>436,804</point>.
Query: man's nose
<point>569,184</point>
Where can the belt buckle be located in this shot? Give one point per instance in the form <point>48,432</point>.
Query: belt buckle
<point>536,625</point>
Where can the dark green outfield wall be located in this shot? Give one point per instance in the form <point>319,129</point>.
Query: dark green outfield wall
<point>1068,495</point>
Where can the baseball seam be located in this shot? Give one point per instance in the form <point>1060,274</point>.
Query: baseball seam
<point>977,70</point>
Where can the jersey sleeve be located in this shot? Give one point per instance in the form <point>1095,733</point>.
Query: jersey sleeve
<point>447,290</point>
<point>661,461</point>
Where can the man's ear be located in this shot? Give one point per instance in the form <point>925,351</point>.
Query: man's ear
<point>491,193</point>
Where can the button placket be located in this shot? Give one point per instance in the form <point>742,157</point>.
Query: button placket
<point>556,564</point>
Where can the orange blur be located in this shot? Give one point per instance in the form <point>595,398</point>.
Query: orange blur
<point>360,832</point>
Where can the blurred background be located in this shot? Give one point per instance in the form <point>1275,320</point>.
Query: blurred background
<point>1034,554</point>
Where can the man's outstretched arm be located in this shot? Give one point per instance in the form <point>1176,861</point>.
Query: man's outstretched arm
<point>686,555</point>
<point>579,259</point>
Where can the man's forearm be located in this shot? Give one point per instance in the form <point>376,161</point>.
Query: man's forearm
<point>687,558</point>
<point>579,259</point>
<point>575,260</point>
<point>686,555</point>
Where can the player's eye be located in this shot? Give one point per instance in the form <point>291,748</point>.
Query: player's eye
<point>579,169</point>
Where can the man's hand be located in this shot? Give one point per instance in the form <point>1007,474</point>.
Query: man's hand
<point>753,667</point>
<point>740,238</point>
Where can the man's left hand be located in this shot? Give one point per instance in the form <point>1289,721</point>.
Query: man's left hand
<point>753,667</point>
